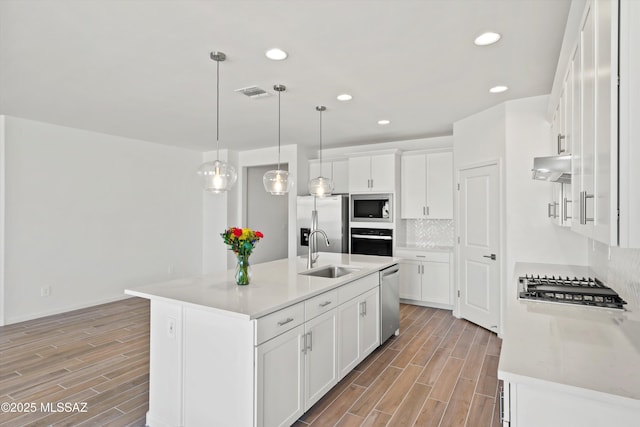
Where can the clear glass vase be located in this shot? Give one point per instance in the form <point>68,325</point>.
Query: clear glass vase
<point>243,270</point>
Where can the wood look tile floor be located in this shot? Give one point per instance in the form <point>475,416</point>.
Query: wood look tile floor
<point>440,371</point>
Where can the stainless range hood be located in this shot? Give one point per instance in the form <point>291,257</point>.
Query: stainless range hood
<point>552,168</point>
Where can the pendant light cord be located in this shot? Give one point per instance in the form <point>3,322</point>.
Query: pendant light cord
<point>217,110</point>
<point>320,142</point>
<point>279,94</point>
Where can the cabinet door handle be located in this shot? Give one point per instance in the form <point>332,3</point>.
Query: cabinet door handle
<point>324,304</point>
<point>549,215</point>
<point>555,209</point>
<point>284,322</point>
<point>364,308</point>
<point>560,149</point>
<point>427,210</point>
<point>304,344</point>
<point>565,215</point>
<point>310,341</point>
<point>583,207</point>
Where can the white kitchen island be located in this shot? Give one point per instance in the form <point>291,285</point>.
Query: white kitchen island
<point>258,355</point>
<point>567,365</point>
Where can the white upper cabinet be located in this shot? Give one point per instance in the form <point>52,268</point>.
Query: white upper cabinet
<point>337,170</point>
<point>375,173</point>
<point>427,186</point>
<point>588,112</point>
<point>629,154</point>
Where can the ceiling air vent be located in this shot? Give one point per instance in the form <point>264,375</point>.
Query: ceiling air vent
<point>253,92</point>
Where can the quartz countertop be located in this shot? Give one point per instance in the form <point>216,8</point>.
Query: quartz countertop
<point>585,350</point>
<point>274,285</point>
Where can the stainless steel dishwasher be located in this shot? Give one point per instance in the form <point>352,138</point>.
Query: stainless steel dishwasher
<point>389,302</point>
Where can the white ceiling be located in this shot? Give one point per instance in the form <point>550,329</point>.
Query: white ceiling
<point>141,69</point>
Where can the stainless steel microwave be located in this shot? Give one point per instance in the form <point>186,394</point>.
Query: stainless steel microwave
<point>371,208</point>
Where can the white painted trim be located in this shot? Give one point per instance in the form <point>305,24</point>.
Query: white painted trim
<point>65,309</point>
<point>2,220</point>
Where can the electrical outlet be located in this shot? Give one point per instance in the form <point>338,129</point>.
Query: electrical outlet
<point>45,291</point>
<point>171,327</point>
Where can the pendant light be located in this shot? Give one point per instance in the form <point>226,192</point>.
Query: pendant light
<point>320,186</point>
<point>277,181</point>
<point>217,176</point>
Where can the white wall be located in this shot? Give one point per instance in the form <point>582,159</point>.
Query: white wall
<point>268,214</point>
<point>91,214</point>
<point>215,211</point>
<point>531,236</point>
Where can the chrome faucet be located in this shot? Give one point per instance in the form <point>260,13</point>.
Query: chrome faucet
<point>310,259</point>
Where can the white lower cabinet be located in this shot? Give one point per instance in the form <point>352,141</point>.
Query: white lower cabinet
<point>296,368</point>
<point>359,330</point>
<point>425,277</point>
<point>280,379</point>
<point>535,405</point>
<point>321,356</point>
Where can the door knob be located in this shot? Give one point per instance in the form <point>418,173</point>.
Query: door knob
<point>492,256</point>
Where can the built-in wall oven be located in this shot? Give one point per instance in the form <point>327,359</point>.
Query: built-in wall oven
<point>372,241</point>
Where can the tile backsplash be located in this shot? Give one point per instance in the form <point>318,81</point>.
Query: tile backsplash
<point>425,233</point>
<point>621,272</point>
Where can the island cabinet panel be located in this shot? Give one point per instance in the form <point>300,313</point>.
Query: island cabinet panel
<point>217,350</point>
<point>321,356</point>
<point>165,367</point>
<point>359,329</point>
<point>280,379</point>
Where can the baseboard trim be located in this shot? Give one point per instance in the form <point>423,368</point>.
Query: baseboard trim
<point>60,310</point>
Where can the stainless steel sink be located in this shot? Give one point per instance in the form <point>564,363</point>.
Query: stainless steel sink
<point>330,271</point>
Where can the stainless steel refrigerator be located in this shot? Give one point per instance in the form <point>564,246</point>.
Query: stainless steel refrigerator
<point>332,218</point>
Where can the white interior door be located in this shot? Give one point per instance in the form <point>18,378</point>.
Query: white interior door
<point>480,257</point>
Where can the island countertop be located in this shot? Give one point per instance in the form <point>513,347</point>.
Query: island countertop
<point>274,285</point>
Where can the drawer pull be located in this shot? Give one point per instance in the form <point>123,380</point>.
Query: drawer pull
<point>421,256</point>
<point>284,322</point>
<point>324,304</point>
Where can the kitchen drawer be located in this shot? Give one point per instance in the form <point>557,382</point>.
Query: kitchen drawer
<point>320,304</point>
<point>358,287</point>
<point>276,323</point>
<point>423,255</point>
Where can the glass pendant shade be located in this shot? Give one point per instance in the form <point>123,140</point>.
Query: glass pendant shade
<point>217,176</point>
<point>277,182</point>
<point>320,186</point>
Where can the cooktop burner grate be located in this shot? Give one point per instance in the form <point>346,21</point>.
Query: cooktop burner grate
<point>585,291</point>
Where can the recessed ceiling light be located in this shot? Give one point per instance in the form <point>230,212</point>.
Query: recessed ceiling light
<point>498,89</point>
<point>485,39</point>
<point>276,54</point>
<point>344,97</point>
<point>384,122</point>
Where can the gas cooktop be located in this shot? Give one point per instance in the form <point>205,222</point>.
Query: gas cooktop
<point>585,291</point>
